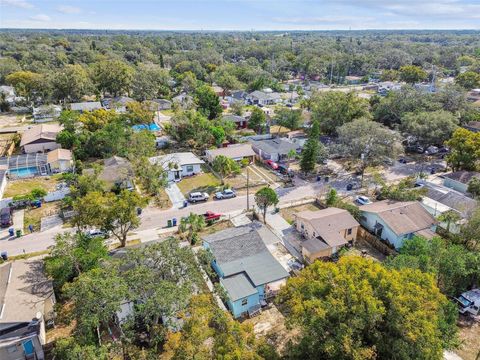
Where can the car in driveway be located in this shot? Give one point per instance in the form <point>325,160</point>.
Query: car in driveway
<point>198,196</point>
<point>362,200</point>
<point>271,164</point>
<point>96,233</point>
<point>225,194</point>
<point>6,218</point>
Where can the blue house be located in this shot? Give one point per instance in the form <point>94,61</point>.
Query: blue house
<point>459,180</point>
<point>247,270</point>
<point>395,221</point>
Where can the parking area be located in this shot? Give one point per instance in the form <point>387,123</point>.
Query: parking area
<point>18,217</point>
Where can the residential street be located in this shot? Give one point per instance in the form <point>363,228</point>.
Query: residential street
<point>156,219</point>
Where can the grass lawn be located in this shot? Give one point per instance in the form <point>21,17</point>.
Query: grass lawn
<point>34,216</point>
<point>215,227</point>
<point>23,187</point>
<point>205,182</point>
<point>288,213</point>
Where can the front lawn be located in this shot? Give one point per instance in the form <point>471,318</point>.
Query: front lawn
<point>33,216</point>
<point>205,182</point>
<point>23,187</point>
<point>288,213</point>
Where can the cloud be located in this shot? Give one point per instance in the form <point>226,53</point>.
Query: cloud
<point>66,9</point>
<point>17,3</point>
<point>40,17</point>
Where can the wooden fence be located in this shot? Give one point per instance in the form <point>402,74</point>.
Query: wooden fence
<point>375,242</point>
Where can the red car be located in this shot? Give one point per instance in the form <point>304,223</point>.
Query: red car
<point>272,164</point>
<point>211,216</point>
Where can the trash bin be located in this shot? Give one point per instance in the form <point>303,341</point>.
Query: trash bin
<point>169,223</point>
<point>174,221</point>
<point>18,233</point>
<point>11,232</point>
<point>139,211</point>
<point>4,255</point>
<point>185,203</point>
<point>36,203</point>
<point>349,187</point>
<point>326,178</point>
<point>319,178</point>
<point>30,228</point>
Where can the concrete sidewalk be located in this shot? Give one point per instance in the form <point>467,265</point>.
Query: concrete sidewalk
<point>175,195</point>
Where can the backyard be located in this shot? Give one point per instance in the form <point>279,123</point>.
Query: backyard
<point>289,213</point>
<point>23,187</point>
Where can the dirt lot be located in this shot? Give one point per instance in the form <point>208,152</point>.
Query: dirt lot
<point>23,187</point>
<point>13,120</point>
<point>371,252</point>
<point>34,216</point>
<point>470,337</point>
<point>240,181</point>
<point>271,323</point>
<point>288,213</point>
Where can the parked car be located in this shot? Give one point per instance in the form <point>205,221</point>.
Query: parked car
<point>198,196</point>
<point>272,164</point>
<point>6,218</point>
<point>225,194</point>
<point>210,216</point>
<point>431,150</point>
<point>362,200</point>
<point>96,233</point>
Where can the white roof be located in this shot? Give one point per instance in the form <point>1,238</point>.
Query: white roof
<point>179,159</point>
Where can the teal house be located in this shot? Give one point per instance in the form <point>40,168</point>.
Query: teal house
<point>459,180</point>
<point>247,270</point>
<point>396,221</point>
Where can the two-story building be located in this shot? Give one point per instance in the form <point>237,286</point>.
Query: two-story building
<point>179,165</point>
<point>247,270</point>
<point>395,221</point>
<point>326,231</point>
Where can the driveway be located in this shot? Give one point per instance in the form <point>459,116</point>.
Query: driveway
<point>175,195</point>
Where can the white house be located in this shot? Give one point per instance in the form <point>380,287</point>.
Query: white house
<point>45,113</point>
<point>179,165</point>
<point>263,98</point>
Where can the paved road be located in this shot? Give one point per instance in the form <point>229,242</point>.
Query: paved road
<point>155,219</point>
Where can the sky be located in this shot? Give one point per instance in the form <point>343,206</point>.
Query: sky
<point>240,14</point>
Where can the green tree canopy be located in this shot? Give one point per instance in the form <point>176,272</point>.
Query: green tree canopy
<point>358,309</point>
<point>430,128</point>
<point>264,198</point>
<point>464,150</point>
<point>468,80</point>
<point>332,109</point>
<point>208,102</point>
<point>225,166</point>
<point>257,120</point>
<point>412,74</point>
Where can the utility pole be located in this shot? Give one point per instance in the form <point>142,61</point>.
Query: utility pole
<point>248,195</point>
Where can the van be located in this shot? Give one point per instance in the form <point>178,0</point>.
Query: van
<point>197,196</point>
<point>6,217</point>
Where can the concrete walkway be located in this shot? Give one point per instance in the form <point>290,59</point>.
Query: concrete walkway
<point>175,195</point>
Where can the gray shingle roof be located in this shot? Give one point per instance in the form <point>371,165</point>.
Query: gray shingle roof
<point>273,146</point>
<point>238,286</point>
<point>86,106</point>
<point>451,198</point>
<point>242,249</point>
<point>462,176</point>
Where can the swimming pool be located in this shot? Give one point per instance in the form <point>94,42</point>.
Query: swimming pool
<point>24,172</point>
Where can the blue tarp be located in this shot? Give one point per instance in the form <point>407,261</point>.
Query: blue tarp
<point>150,127</point>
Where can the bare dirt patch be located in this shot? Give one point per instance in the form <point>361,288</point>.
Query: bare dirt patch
<point>469,333</point>
<point>288,213</point>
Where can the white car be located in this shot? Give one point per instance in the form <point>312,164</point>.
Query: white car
<point>362,200</point>
<point>225,194</point>
<point>198,196</point>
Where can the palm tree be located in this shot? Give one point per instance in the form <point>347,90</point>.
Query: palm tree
<point>192,224</point>
<point>290,156</point>
<point>450,216</point>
